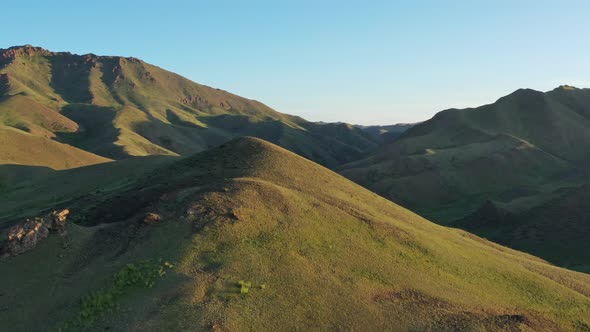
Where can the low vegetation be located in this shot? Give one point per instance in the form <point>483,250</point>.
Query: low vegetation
<point>143,274</point>
<point>331,254</point>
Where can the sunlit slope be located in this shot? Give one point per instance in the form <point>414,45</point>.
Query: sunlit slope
<point>319,251</point>
<point>18,147</point>
<point>118,107</point>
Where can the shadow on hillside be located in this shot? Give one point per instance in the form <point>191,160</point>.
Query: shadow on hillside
<point>12,175</point>
<point>70,77</point>
<point>96,133</point>
<point>28,191</point>
<point>176,120</point>
<point>243,125</point>
<point>3,84</point>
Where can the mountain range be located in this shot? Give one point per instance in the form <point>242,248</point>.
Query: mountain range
<point>518,154</point>
<point>132,198</point>
<point>116,107</point>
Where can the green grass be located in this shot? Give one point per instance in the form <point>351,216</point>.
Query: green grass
<point>143,274</point>
<point>19,147</point>
<point>330,255</point>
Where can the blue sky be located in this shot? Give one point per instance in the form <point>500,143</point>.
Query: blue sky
<point>366,62</point>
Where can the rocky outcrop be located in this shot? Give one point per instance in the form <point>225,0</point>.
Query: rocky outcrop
<point>9,54</point>
<point>151,218</point>
<point>58,220</point>
<point>24,237</point>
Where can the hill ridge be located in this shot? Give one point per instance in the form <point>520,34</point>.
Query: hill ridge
<point>128,107</point>
<point>521,150</point>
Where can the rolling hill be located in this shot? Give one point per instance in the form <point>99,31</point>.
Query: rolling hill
<point>117,107</point>
<point>249,236</point>
<point>520,152</point>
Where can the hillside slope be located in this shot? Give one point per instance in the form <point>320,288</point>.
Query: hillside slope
<point>249,236</point>
<point>21,148</point>
<point>459,158</point>
<point>556,229</point>
<point>520,151</point>
<point>118,107</point>
<point>31,190</point>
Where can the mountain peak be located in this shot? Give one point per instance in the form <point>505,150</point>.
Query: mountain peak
<point>522,95</point>
<point>24,50</point>
<point>525,92</point>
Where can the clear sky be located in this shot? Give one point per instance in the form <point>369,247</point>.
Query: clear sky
<point>365,62</point>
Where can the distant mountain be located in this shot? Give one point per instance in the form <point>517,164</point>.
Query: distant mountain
<point>387,133</point>
<point>249,236</point>
<point>519,151</point>
<point>116,107</point>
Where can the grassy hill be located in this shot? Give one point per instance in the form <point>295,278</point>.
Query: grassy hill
<point>249,236</point>
<point>119,107</point>
<point>520,152</point>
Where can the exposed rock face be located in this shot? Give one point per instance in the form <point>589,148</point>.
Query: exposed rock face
<point>151,218</point>
<point>8,55</point>
<point>58,221</point>
<point>24,237</point>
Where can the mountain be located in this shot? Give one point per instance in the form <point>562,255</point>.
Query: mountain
<point>519,152</point>
<point>387,133</point>
<point>249,236</point>
<point>117,107</point>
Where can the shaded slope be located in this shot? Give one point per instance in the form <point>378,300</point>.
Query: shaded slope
<point>518,152</point>
<point>119,107</point>
<point>319,251</point>
<point>460,158</point>
<point>389,132</point>
<point>33,190</point>
<point>556,229</point>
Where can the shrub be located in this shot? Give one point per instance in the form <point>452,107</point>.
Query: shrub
<point>143,274</point>
<point>244,286</point>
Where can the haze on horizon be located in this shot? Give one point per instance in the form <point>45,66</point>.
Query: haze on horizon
<point>379,63</point>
